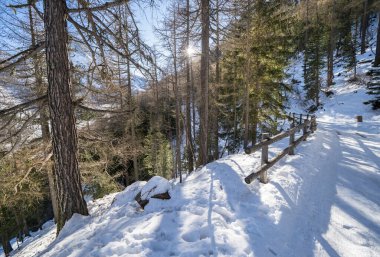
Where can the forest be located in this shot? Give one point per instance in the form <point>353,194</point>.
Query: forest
<point>89,105</point>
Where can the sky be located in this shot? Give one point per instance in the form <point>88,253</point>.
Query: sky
<point>148,17</point>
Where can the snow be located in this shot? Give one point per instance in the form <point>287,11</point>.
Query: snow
<point>323,201</point>
<point>156,185</point>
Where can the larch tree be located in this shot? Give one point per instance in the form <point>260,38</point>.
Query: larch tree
<point>204,83</point>
<point>377,55</point>
<point>61,107</point>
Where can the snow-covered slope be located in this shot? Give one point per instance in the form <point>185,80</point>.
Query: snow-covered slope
<point>323,201</point>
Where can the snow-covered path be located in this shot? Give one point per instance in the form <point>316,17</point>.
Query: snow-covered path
<point>334,210</point>
<point>323,201</point>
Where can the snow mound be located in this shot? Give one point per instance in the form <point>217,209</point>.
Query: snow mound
<point>156,185</point>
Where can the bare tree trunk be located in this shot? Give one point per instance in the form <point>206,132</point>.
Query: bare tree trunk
<point>355,36</point>
<point>44,118</point>
<point>189,138</point>
<point>64,134</point>
<point>25,227</point>
<point>235,108</point>
<point>306,39</point>
<point>377,56</point>
<point>364,27</point>
<point>318,70</point>
<point>131,106</point>
<point>7,247</point>
<point>331,48</point>
<point>215,132</point>
<point>255,119</point>
<point>177,102</point>
<point>193,93</point>
<point>246,116</point>
<point>205,19</point>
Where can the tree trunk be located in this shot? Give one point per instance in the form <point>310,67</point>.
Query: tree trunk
<point>25,228</point>
<point>189,138</point>
<point>193,109</point>
<point>235,92</point>
<point>364,27</point>
<point>354,47</point>
<point>205,19</point>
<point>215,132</point>
<point>177,103</point>
<point>246,117</point>
<point>53,193</point>
<point>64,134</point>
<point>255,119</point>
<point>331,48</point>
<point>7,247</point>
<point>377,56</point>
<point>318,83</point>
<point>131,105</point>
<point>44,117</point>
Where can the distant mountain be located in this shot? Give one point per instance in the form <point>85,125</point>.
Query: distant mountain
<point>139,84</point>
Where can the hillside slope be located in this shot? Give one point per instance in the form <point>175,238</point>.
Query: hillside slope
<point>321,202</point>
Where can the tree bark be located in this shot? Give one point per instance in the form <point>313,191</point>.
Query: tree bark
<point>131,105</point>
<point>331,48</point>
<point>205,19</point>
<point>177,102</point>
<point>215,132</point>
<point>44,117</point>
<point>64,134</point>
<point>7,247</point>
<point>377,56</point>
<point>364,27</point>
<point>189,138</point>
<point>246,116</point>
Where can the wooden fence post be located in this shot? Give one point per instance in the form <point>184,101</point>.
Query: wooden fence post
<point>291,139</point>
<point>313,124</point>
<point>304,130</point>
<point>264,159</point>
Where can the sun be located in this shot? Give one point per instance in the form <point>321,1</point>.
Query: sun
<point>190,51</point>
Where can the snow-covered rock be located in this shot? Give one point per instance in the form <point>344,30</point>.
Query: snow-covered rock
<point>155,186</point>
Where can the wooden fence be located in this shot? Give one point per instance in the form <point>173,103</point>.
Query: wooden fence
<point>308,126</point>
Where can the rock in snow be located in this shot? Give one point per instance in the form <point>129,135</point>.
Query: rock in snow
<point>157,187</point>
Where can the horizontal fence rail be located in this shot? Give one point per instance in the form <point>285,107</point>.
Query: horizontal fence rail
<point>307,126</point>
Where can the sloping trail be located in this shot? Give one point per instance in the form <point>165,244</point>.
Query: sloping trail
<point>323,201</point>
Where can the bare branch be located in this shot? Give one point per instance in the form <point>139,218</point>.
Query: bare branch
<point>22,106</point>
<point>24,56</point>
<point>104,111</point>
<point>100,7</point>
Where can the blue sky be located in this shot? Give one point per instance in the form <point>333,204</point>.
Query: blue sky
<point>148,17</point>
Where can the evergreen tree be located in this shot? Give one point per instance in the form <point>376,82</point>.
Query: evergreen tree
<point>314,54</point>
<point>159,159</point>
